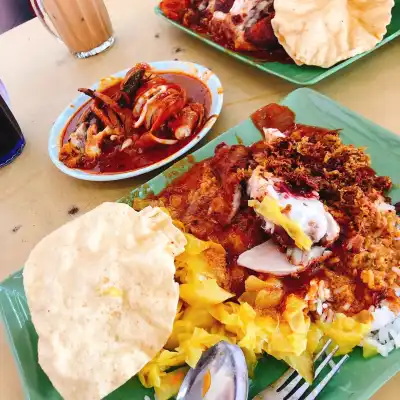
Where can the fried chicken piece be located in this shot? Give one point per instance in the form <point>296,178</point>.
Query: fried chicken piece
<point>225,166</point>
<point>174,9</point>
<point>217,261</point>
<point>208,197</point>
<point>195,216</point>
<point>238,276</point>
<point>262,34</point>
<point>243,24</point>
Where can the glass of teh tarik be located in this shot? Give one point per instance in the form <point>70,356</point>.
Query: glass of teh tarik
<point>83,25</point>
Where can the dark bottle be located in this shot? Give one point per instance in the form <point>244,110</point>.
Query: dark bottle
<point>11,139</point>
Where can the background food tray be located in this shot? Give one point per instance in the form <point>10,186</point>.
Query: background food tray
<point>301,75</point>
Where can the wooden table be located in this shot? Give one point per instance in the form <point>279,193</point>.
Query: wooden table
<point>42,77</point>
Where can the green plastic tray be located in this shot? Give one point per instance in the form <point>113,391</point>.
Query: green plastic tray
<point>300,75</point>
<point>358,378</point>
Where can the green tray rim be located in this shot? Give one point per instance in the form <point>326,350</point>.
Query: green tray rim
<point>252,61</point>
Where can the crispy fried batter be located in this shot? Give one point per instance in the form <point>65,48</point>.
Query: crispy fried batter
<point>315,158</point>
<point>361,268</point>
<point>218,261</point>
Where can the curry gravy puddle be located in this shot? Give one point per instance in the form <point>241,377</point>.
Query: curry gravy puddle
<point>114,161</point>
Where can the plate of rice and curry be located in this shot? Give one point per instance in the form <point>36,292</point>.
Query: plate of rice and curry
<point>135,121</point>
<point>300,41</point>
<point>278,235</point>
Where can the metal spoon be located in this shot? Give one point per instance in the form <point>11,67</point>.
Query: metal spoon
<point>220,374</point>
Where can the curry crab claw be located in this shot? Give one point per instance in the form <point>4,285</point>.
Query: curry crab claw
<point>86,142</point>
<point>73,150</point>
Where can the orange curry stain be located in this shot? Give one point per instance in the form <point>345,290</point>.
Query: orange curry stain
<point>206,383</point>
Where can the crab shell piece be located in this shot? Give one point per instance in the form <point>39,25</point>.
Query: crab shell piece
<point>72,152</point>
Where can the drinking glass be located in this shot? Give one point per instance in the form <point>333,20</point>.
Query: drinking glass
<point>83,25</point>
<point>11,139</point>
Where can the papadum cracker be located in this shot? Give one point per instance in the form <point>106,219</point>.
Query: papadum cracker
<point>324,32</point>
<point>102,296</point>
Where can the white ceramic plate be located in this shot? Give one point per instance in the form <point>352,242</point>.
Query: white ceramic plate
<point>204,74</point>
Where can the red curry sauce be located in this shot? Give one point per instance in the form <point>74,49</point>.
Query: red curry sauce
<point>114,161</point>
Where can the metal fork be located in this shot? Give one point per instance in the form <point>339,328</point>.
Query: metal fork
<point>281,390</point>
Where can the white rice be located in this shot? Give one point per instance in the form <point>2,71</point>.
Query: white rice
<point>385,332</point>
<point>385,335</point>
